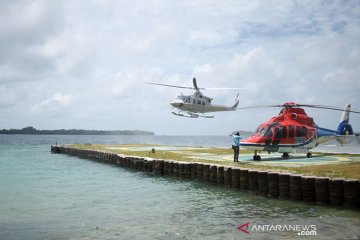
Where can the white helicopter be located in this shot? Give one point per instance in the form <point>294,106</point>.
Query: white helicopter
<point>191,105</point>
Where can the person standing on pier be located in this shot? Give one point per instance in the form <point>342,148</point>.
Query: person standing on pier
<point>236,146</point>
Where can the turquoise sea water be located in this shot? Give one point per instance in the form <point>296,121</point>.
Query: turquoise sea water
<point>54,196</point>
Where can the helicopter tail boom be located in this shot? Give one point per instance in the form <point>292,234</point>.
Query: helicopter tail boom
<point>344,133</point>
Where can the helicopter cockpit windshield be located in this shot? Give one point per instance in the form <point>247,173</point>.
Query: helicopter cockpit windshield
<point>185,99</point>
<point>265,131</point>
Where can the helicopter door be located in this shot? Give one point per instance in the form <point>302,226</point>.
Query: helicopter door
<point>300,135</point>
<point>291,133</point>
<point>280,133</point>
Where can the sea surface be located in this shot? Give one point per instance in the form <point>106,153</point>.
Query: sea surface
<point>55,196</point>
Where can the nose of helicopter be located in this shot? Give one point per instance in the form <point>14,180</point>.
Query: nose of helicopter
<point>177,104</point>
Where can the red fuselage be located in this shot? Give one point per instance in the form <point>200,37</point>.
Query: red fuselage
<point>291,131</point>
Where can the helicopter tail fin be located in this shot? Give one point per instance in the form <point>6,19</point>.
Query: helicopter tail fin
<point>236,102</point>
<point>344,127</point>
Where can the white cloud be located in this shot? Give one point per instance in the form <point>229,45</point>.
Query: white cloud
<point>58,99</point>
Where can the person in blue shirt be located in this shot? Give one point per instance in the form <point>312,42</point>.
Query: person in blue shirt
<point>236,146</point>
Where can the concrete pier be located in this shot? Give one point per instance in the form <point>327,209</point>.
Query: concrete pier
<point>329,191</point>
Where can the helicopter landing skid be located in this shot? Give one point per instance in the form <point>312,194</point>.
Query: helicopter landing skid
<point>191,115</point>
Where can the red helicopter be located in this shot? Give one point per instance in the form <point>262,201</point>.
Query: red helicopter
<point>293,131</point>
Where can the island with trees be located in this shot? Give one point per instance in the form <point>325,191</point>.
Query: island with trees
<point>32,130</point>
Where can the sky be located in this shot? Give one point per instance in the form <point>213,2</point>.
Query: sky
<point>83,64</point>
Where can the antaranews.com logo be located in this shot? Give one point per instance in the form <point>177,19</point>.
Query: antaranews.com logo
<point>300,229</point>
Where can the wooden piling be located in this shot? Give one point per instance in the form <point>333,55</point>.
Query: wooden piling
<point>263,183</point>
<point>336,191</point>
<point>193,171</point>
<point>176,169</point>
<point>253,181</point>
<point>352,193</point>
<point>187,171</point>
<point>322,190</point>
<point>166,168</point>
<point>273,184</point>
<point>213,174</point>
<point>220,175</point>
<point>244,179</point>
<point>158,167</point>
<point>200,171</point>
<point>308,188</point>
<point>181,173</point>
<point>206,172</point>
<point>284,185</point>
<point>227,177</point>
<point>295,187</point>
<point>235,178</point>
<point>55,149</point>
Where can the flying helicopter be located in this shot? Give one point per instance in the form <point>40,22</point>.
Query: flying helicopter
<point>191,105</point>
<point>293,131</point>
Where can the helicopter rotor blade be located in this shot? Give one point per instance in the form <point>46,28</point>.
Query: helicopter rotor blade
<point>196,88</point>
<point>326,107</point>
<point>195,85</point>
<point>166,85</point>
<point>220,88</point>
<point>260,106</point>
<point>301,105</point>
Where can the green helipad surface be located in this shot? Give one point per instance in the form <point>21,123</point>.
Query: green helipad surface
<point>274,159</point>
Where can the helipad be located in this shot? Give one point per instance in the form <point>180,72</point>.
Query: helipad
<point>274,159</point>
<point>277,160</point>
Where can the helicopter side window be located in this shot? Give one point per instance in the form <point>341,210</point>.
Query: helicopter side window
<point>298,131</point>
<point>266,132</point>
<point>277,133</point>
<point>199,102</point>
<point>283,133</point>
<point>269,132</point>
<point>291,131</point>
<point>194,101</point>
<point>280,132</point>
<point>303,131</point>
<point>203,103</point>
